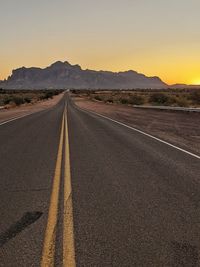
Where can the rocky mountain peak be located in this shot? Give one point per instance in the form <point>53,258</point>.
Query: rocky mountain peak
<point>64,75</point>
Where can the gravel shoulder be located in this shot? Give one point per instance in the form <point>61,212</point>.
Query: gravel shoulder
<point>7,114</point>
<point>177,127</point>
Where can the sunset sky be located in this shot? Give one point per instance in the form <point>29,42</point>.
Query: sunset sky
<point>155,37</point>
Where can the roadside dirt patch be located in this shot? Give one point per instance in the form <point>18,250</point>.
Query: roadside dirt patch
<point>179,128</point>
<point>6,114</point>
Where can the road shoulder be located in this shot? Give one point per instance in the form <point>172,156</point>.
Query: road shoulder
<point>9,114</point>
<point>179,128</point>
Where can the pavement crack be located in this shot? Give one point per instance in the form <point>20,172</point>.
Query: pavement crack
<point>68,198</point>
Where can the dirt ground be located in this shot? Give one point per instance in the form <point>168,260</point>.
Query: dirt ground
<point>7,114</point>
<point>177,127</point>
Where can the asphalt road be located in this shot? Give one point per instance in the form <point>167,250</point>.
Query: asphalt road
<point>135,201</point>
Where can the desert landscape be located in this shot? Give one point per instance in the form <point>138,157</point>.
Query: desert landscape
<point>178,127</point>
<point>100,133</point>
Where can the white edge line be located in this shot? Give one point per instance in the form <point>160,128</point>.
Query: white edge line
<point>16,118</point>
<point>28,114</point>
<point>141,132</point>
<point>20,117</point>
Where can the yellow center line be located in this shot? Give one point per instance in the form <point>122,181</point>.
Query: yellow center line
<point>48,253</point>
<point>68,231</point>
<point>50,234</point>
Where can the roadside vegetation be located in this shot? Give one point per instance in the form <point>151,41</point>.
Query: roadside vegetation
<point>149,97</point>
<point>11,98</point>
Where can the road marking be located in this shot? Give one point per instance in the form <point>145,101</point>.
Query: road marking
<point>141,132</point>
<point>50,235</point>
<point>68,231</point>
<point>17,118</point>
<point>20,117</point>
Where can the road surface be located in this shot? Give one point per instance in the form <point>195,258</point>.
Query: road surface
<point>77,189</point>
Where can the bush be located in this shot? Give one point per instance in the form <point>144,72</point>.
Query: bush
<point>18,100</point>
<point>49,95</point>
<point>109,100</point>
<point>124,101</point>
<point>46,95</point>
<point>195,97</point>
<point>182,102</point>
<point>27,100</point>
<point>136,100</point>
<point>15,99</point>
<point>160,99</point>
<point>98,98</point>
<point>7,100</point>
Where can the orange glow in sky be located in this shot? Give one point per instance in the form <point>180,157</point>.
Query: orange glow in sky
<point>104,35</point>
<point>196,81</point>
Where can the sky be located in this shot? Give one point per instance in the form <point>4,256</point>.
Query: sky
<point>154,37</point>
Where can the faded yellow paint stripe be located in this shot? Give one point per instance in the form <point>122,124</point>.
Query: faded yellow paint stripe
<point>68,226</point>
<point>50,235</point>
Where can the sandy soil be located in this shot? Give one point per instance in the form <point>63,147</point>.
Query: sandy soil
<point>22,110</point>
<point>179,128</point>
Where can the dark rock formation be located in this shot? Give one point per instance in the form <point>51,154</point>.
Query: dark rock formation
<point>65,75</point>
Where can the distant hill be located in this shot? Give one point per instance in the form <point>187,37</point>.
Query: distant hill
<point>184,86</point>
<point>64,75</point>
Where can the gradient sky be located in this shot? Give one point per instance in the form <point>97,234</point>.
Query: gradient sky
<point>155,37</point>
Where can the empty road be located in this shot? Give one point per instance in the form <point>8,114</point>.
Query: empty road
<point>78,189</point>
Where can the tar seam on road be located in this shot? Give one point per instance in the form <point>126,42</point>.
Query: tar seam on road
<point>68,227</point>
<point>141,132</point>
<point>50,234</point>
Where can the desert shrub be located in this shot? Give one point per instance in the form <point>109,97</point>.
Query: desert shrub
<point>136,100</point>
<point>195,97</point>
<point>110,100</point>
<point>160,99</point>
<point>7,100</point>
<point>41,97</point>
<point>49,95</point>
<point>18,100</point>
<point>168,100</point>
<point>2,91</point>
<point>97,97</point>
<point>27,100</point>
<point>124,101</point>
<point>182,102</point>
<point>46,95</point>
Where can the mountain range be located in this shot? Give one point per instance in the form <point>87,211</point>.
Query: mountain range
<point>64,75</point>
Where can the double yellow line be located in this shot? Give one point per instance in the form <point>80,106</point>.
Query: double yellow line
<point>48,254</point>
